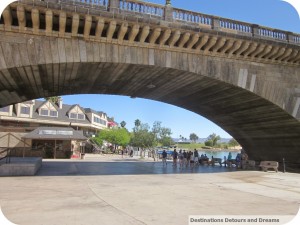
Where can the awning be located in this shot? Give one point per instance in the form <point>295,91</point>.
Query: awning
<point>55,133</point>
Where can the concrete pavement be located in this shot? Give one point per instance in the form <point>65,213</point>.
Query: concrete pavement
<point>108,191</point>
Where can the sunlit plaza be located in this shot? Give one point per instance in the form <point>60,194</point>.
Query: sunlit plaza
<point>115,190</point>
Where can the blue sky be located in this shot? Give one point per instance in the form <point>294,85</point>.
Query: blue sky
<point>270,13</point>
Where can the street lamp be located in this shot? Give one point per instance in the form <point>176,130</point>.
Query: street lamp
<point>168,2</point>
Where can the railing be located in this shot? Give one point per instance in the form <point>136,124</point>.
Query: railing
<point>235,25</point>
<point>142,7</point>
<point>179,15</point>
<point>96,148</point>
<point>89,2</point>
<point>269,33</point>
<point>5,154</point>
<point>193,17</point>
<point>296,39</point>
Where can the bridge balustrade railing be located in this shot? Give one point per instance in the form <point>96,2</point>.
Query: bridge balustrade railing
<point>296,38</point>
<point>142,7</point>
<point>192,17</point>
<point>170,14</point>
<point>102,3</point>
<point>95,4</point>
<point>273,34</point>
<point>235,25</point>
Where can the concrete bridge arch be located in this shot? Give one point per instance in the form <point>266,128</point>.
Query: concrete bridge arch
<point>254,99</point>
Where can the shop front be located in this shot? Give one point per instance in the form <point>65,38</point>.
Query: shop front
<point>55,142</point>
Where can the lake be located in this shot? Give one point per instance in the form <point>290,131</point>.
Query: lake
<point>209,154</point>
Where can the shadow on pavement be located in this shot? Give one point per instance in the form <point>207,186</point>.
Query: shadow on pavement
<point>86,168</point>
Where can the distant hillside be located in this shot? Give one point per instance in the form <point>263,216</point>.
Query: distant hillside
<point>202,140</point>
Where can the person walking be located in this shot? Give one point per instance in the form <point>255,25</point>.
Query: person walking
<point>244,158</point>
<point>188,158</point>
<point>225,161</point>
<point>185,160</point>
<point>238,160</point>
<point>175,156</point>
<point>196,157</point>
<point>164,157</point>
<point>229,160</point>
<point>180,158</point>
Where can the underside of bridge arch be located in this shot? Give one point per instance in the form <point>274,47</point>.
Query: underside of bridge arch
<point>264,130</point>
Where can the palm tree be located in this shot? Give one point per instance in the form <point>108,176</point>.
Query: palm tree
<point>137,123</point>
<point>123,124</point>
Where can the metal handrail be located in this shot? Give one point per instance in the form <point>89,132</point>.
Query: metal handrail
<point>7,155</point>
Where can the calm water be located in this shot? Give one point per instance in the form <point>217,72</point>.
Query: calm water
<point>220,154</point>
<point>209,154</point>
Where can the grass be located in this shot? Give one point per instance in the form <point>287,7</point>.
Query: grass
<point>198,146</point>
<point>190,146</point>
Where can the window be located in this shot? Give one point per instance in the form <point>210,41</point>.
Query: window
<point>100,121</point>
<point>25,110</point>
<point>53,113</point>
<point>73,116</point>
<point>4,109</point>
<point>96,119</point>
<point>80,116</point>
<point>44,112</point>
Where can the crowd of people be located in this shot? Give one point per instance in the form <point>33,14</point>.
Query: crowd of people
<point>191,159</point>
<point>238,161</point>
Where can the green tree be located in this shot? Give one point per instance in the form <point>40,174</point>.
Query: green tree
<point>194,137</point>
<point>98,140</point>
<point>123,124</point>
<point>115,136</point>
<point>137,123</point>
<point>214,139</point>
<point>233,142</point>
<point>141,137</point>
<point>167,141</point>
<point>208,143</point>
<point>156,129</point>
<point>144,137</point>
<point>165,132</point>
<point>162,134</point>
<point>54,99</point>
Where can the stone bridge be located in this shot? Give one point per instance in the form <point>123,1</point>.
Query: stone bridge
<point>243,77</point>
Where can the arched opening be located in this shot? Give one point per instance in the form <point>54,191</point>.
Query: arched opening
<point>263,129</point>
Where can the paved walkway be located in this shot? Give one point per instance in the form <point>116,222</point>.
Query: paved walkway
<point>112,190</point>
